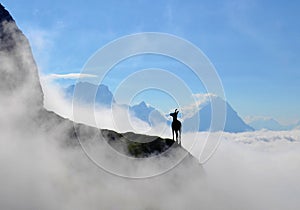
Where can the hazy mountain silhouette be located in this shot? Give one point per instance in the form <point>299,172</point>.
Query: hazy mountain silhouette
<point>85,93</point>
<point>142,111</point>
<point>267,123</point>
<point>233,123</point>
<point>271,124</point>
<point>104,97</point>
<point>149,114</point>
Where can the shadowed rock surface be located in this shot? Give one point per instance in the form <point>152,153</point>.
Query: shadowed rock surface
<point>18,69</point>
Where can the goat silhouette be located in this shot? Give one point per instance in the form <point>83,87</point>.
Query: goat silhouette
<point>176,126</point>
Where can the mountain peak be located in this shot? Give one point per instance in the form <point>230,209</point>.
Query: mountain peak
<point>85,92</point>
<point>19,73</point>
<point>233,122</point>
<point>142,104</point>
<point>4,14</point>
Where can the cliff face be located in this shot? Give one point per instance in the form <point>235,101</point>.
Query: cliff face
<point>19,74</point>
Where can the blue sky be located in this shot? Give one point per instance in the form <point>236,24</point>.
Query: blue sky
<point>254,44</point>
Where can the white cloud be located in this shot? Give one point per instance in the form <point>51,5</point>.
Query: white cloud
<point>120,119</point>
<point>201,99</point>
<point>263,140</point>
<point>69,76</point>
<point>252,170</point>
<point>115,118</point>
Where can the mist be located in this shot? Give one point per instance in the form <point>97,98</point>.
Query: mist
<point>117,117</point>
<point>38,173</point>
<point>255,170</point>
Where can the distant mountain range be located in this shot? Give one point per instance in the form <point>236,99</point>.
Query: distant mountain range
<point>147,113</point>
<point>259,123</point>
<point>152,116</point>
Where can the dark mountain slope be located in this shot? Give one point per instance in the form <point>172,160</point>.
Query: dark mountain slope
<point>21,85</point>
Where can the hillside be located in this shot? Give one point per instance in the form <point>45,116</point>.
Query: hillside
<point>21,85</point>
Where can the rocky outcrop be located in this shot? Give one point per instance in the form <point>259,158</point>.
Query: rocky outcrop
<point>19,74</point>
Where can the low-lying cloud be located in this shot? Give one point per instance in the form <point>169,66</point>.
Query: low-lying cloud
<point>117,117</point>
<point>245,173</point>
<point>250,170</point>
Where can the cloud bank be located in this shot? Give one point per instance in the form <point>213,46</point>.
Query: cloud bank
<point>250,170</point>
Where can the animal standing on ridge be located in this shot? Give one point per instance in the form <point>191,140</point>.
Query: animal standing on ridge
<point>176,126</point>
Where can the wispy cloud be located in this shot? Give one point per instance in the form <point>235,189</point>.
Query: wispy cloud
<point>201,99</point>
<point>69,76</point>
